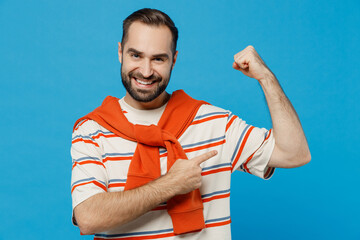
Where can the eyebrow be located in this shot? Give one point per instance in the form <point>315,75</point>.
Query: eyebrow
<point>160,55</point>
<point>133,50</point>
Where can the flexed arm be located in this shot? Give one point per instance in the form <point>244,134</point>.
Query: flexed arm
<point>291,148</point>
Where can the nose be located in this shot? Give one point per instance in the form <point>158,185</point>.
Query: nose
<point>146,68</point>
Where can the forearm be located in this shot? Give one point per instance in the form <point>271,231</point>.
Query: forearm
<point>105,211</point>
<point>291,148</point>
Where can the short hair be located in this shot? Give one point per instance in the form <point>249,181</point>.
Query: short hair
<point>152,17</point>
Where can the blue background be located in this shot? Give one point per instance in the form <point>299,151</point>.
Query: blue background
<point>59,60</point>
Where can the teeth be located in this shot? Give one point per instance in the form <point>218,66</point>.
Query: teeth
<point>144,83</point>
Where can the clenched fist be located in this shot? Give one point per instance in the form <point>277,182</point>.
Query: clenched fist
<point>250,63</point>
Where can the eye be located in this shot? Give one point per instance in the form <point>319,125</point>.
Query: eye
<point>135,55</point>
<point>159,59</point>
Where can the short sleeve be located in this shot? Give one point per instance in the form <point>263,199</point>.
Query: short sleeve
<point>249,147</point>
<point>89,176</point>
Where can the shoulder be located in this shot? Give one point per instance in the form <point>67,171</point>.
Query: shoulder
<point>207,111</point>
<point>85,122</point>
<point>87,127</point>
<point>211,109</point>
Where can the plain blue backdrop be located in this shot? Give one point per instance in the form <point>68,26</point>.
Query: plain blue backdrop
<point>59,60</point>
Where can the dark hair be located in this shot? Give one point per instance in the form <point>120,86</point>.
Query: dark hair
<point>150,17</point>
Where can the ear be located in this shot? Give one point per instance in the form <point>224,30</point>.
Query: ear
<point>174,59</point>
<point>120,52</point>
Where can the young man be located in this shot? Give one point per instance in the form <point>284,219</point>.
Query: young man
<point>158,165</point>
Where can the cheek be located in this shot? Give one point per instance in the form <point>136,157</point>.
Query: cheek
<point>164,71</point>
<point>128,64</point>
<point>127,68</point>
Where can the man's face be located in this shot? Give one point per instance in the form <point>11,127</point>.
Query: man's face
<point>146,61</point>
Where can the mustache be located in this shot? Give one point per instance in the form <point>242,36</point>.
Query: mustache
<point>138,75</point>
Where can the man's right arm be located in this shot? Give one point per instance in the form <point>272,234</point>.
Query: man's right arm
<point>108,210</point>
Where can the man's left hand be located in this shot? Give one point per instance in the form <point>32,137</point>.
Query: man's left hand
<point>250,63</point>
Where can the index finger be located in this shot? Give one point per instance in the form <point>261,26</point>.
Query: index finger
<point>203,157</point>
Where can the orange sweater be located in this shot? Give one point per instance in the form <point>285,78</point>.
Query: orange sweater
<point>186,211</point>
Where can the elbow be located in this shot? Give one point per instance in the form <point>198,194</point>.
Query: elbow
<point>85,229</point>
<point>305,159</point>
<point>84,222</point>
<point>302,159</point>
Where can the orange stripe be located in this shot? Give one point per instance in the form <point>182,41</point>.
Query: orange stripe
<point>142,237</point>
<point>103,135</point>
<point>199,148</point>
<point>216,197</point>
<point>88,162</point>
<point>116,158</point>
<point>116,185</point>
<point>218,224</point>
<point>247,161</point>
<point>209,118</point>
<point>242,146</point>
<point>94,182</point>
<point>268,135</point>
<point>100,185</point>
<point>77,127</point>
<point>205,146</point>
<point>85,141</point>
<point>216,171</point>
<point>252,155</point>
<point>230,122</point>
<point>268,172</point>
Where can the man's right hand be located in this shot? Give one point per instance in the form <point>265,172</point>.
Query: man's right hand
<point>186,174</point>
<point>107,210</point>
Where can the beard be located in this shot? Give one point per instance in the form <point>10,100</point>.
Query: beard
<point>142,95</point>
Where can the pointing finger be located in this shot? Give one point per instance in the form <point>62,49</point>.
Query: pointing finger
<point>203,157</point>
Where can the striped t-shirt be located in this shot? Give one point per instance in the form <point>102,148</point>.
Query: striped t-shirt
<point>101,161</point>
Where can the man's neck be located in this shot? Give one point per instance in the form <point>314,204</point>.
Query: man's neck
<point>162,99</point>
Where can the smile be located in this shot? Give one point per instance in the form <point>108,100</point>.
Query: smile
<point>144,82</point>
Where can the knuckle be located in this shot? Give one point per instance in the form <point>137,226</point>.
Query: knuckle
<point>207,155</point>
<point>193,164</point>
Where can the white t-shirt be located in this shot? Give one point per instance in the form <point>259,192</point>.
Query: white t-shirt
<point>101,162</point>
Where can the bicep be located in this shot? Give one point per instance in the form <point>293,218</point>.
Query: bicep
<point>284,159</point>
<point>278,159</point>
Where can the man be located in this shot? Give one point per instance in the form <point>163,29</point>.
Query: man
<point>154,165</point>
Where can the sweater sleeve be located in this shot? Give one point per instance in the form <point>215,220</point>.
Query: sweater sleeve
<point>249,147</point>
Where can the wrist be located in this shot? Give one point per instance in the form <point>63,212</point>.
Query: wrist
<point>267,79</point>
<point>271,88</point>
<point>165,186</point>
